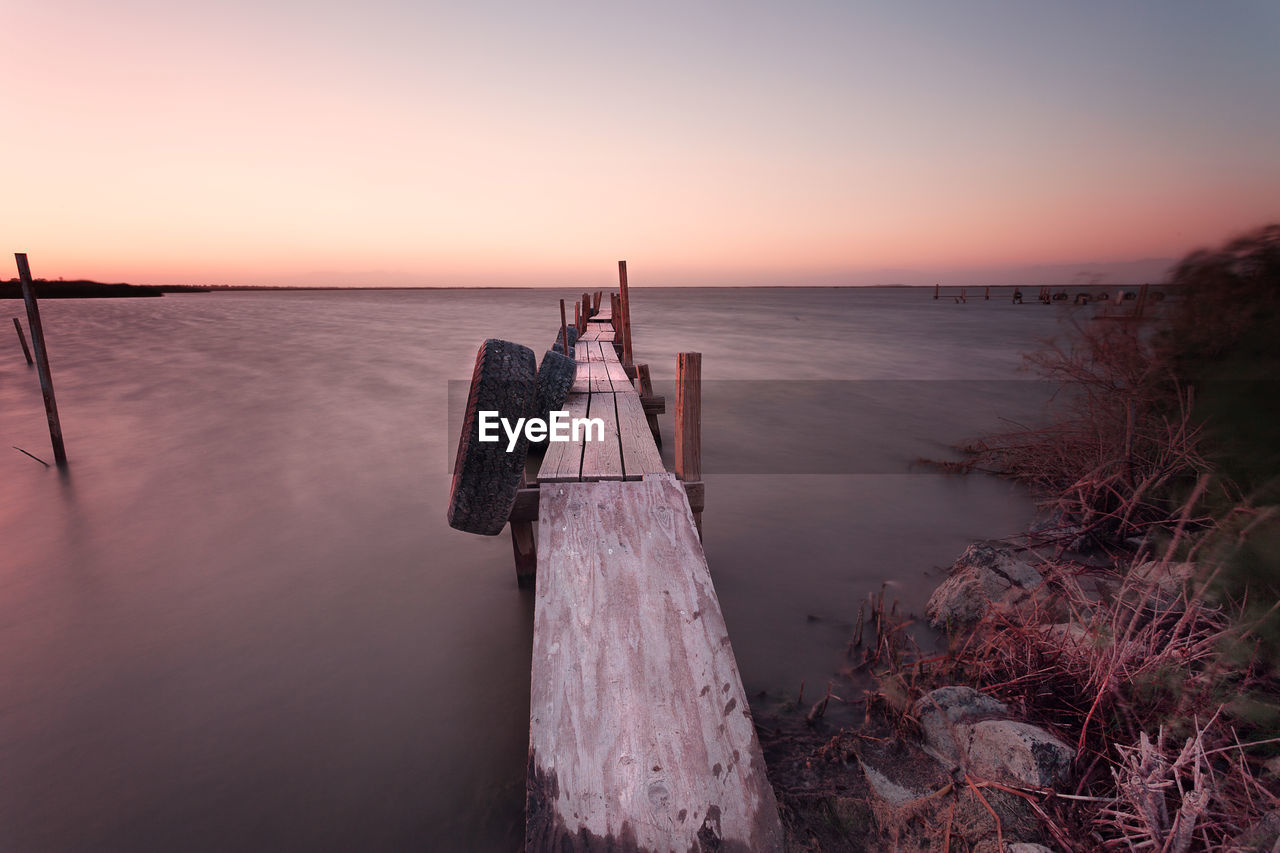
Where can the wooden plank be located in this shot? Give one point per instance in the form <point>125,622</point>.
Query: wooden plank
<point>617,374</point>
<point>580,350</point>
<point>606,335</point>
<point>639,455</point>
<point>602,460</point>
<point>526,506</point>
<point>599,381</point>
<point>581,377</point>
<point>563,459</point>
<point>640,735</point>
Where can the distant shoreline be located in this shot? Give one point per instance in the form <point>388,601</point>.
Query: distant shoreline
<point>84,289</point>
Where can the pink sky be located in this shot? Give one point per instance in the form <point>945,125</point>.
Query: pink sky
<point>411,143</point>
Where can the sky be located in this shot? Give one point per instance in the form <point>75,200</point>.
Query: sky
<point>398,142</point>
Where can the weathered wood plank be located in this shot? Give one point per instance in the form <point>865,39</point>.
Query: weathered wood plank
<point>526,506</point>
<point>640,734</point>
<point>617,374</point>
<point>601,382</point>
<point>602,460</point>
<point>581,377</point>
<point>563,459</point>
<point>639,455</point>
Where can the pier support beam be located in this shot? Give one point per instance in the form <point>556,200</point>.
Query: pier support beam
<point>523,545</point>
<point>689,421</point>
<point>646,398</point>
<point>22,339</point>
<point>42,358</point>
<point>624,300</point>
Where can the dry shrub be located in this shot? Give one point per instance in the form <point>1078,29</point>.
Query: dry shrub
<point>1138,657</point>
<point>1120,442</point>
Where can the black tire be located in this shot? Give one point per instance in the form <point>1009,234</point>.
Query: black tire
<point>558,346</point>
<point>555,378</point>
<point>485,476</point>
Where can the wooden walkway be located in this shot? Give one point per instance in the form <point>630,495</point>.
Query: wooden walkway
<point>602,390</point>
<point>640,736</point>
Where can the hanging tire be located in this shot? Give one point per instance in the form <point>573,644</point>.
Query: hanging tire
<point>555,378</point>
<point>485,476</point>
<point>558,346</point>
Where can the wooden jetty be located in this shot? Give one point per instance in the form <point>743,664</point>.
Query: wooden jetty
<point>640,735</point>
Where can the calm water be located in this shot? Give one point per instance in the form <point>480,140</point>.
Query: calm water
<point>240,622</point>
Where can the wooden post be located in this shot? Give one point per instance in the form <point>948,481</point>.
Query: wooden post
<point>564,332</point>
<point>577,317</point>
<point>42,358</point>
<point>595,303</point>
<point>627,361</point>
<point>689,421</point>
<point>936,288</point>
<point>615,315</point>
<point>646,393</point>
<point>586,306</point>
<point>525,549</point>
<point>988,296</point>
<point>1142,301</point>
<point>22,339</point>
<point>962,290</point>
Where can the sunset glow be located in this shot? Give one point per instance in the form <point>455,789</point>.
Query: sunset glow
<point>399,143</point>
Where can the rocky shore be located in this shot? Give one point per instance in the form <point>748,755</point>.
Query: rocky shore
<point>1004,738</point>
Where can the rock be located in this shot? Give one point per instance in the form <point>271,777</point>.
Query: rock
<point>1024,847</point>
<point>985,575</point>
<point>1059,526</point>
<point>1020,752</point>
<point>941,711</point>
<point>1069,634</point>
<point>1263,835</point>
<point>1162,583</point>
<point>900,774</point>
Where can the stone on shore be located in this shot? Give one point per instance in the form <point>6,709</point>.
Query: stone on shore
<point>1018,752</point>
<point>984,576</point>
<point>943,710</point>
<point>1163,583</point>
<point>962,726</point>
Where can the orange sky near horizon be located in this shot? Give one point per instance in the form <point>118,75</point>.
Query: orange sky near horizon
<point>406,143</point>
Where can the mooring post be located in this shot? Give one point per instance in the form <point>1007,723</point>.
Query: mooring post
<point>564,332</point>
<point>1141,307</point>
<point>627,362</point>
<point>689,421</point>
<point>42,358</point>
<point>646,394</point>
<point>525,549</point>
<point>22,339</point>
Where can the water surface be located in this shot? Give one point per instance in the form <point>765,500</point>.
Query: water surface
<point>238,620</point>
